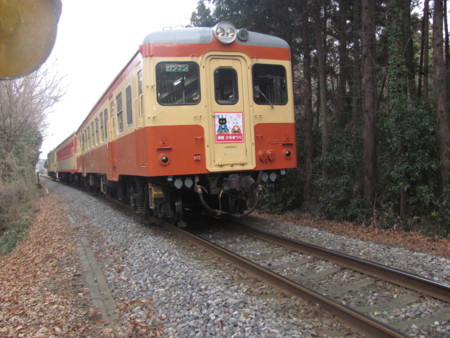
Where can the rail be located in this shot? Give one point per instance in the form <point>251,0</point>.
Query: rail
<point>367,325</point>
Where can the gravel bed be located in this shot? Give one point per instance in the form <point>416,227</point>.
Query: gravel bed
<point>194,294</point>
<point>433,267</point>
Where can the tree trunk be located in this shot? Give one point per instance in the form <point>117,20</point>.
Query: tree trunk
<point>343,61</point>
<point>368,99</point>
<point>424,49</point>
<point>446,46</point>
<point>307,94</point>
<point>356,72</point>
<point>440,90</point>
<point>409,51</point>
<point>320,33</point>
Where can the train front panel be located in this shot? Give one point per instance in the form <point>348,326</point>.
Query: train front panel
<point>212,107</point>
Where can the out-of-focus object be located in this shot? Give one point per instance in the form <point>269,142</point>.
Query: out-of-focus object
<point>27,34</point>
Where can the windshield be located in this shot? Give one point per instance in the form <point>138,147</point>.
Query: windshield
<point>269,84</point>
<point>177,83</point>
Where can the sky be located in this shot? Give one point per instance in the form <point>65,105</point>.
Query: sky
<point>96,38</point>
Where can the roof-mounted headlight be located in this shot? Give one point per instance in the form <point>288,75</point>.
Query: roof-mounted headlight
<point>225,32</point>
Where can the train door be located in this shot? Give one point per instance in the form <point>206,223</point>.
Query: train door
<point>230,127</point>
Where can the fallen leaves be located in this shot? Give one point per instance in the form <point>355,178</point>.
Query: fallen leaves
<point>42,291</point>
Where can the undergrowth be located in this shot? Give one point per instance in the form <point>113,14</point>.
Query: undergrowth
<point>17,205</point>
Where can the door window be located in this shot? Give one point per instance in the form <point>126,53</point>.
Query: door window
<point>226,86</point>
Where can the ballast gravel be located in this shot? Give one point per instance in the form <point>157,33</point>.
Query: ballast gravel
<point>197,295</point>
<point>432,267</point>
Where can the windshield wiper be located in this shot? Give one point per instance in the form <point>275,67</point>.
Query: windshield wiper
<point>264,95</point>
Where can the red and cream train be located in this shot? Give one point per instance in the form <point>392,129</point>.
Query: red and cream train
<point>198,119</point>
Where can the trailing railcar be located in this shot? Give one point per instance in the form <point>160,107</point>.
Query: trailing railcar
<point>51,164</point>
<point>65,158</point>
<point>198,119</point>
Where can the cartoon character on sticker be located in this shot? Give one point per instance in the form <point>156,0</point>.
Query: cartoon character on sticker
<point>223,128</point>
<point>236,129</point>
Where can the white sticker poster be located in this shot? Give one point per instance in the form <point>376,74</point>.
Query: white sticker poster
<point>229,128</point>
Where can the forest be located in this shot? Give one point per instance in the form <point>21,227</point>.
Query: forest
<point>371,102</point>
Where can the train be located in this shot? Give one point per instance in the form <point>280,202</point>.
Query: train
<point>199,119</point>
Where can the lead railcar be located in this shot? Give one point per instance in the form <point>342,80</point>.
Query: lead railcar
<point>198,119</point>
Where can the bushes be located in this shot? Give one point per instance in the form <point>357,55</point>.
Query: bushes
<point>23,106</point>
<point>283,195</point>
<point>17,198</point>
<point>16,207</point>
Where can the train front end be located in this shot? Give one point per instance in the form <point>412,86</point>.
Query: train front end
<point>219,116</point>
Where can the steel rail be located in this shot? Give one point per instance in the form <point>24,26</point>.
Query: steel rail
<point>423,285</point>
<point>366,325</point>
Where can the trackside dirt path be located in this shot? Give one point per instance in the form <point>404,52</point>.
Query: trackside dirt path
<point>52,285</point>
<point>42,288</point>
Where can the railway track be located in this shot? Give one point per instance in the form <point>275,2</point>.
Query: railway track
<point>361,293</point>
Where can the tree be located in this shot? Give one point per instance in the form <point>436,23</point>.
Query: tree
<point>321,61</point>
<point>24,104</point>
<point>307,103</point>
<point>441,91</point>
<point>424,47</point>
<point>342,36</point>
<point>202,17</point>
<point>369,106</point>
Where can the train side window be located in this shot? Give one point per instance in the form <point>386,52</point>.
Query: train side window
<point>105,116</point>
<point>119,112</point>
<point>177,83</point>
<point>226,86</point>
<point>129,105</point>
<point>93,134</point>
<point>89,137</point>
<point>102,134</point>
<point>269,84</point>
<point>97,135</point>
<point>139,74</point>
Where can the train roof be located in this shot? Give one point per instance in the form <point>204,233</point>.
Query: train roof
<point>204,35</point>
<point>65,140</point>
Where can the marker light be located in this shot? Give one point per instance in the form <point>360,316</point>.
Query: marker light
<point>164,160</point>
<point>225,32</point>
<point>243,34</point>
